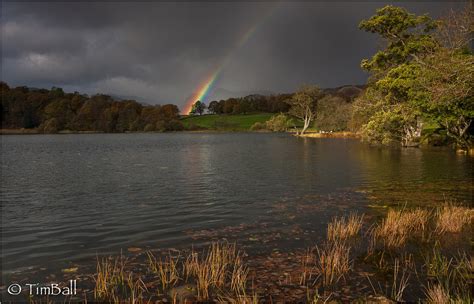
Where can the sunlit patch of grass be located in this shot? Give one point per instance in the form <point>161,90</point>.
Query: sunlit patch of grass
<point>399,225</point>
<point>240,297</point>
<point>451,218</point>
<point>166,269</point>
<point>344,227</point>
<point>221,265</point>
<point>436,294</point>
<point>332,261</point>
<point>114,284</point>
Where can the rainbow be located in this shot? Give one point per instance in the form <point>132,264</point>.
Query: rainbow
<point>205,87</point>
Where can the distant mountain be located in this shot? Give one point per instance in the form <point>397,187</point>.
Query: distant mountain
<point>348,92</point>
<point>221,93</point>
<point>125,97</point>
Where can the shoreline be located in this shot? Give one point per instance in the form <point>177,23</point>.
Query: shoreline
<point>343,134</point>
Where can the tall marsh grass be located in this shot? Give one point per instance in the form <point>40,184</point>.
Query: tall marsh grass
<point>451,218</point>
<point>332,262</point>
<point>399,225</point>
<point>221,265</point>
<point>166,269</point>
<point>344,227</point>
<point>114,284</point>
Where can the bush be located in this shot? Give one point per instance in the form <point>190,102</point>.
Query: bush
<point>258,126</point>
<point>334,114</point>
<point>50,126</point>
<point>174,125</point>
<point>278,123</point>
<point>149,128</point>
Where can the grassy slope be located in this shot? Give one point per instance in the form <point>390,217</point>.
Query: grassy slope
<point>240,122</point>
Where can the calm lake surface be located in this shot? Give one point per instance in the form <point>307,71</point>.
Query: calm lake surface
<point>67,198</point>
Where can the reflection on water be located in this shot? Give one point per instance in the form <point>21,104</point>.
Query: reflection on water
<point>68,197</point>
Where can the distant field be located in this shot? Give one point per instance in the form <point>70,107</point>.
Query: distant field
<point>239,122</point>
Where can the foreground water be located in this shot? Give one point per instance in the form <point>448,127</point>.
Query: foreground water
<point>67,198</point>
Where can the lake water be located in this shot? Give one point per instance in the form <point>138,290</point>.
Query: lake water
<point>67,198</point>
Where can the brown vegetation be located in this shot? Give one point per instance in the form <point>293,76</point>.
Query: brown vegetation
<point>220,273</point>
<point>399,225</point>
<point>452,218</point>
<point>333,261</point>
<point>344,228</point>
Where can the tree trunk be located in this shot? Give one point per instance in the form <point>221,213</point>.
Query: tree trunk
<point>306,125</point>
<point>411,135</point>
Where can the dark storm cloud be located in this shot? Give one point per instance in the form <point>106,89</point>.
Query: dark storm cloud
<point>160,52</point>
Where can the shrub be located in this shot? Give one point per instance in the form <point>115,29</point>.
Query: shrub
<point>278,123</point>
<point>334,114</point>
<point>149,128</point>
<point>258,126</point>
<point>50,126</point>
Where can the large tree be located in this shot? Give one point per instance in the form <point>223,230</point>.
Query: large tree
<point>304,103</point>
<point>198,107</point>
<point>394,70</point>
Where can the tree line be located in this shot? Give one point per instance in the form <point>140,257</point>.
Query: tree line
<point>244,105</point>
<point>421,83</point>
<point>420,87</point>
<point>54,110</point>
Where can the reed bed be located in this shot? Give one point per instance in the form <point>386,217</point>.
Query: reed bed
<point>220,274</point>
<point>166,269</point>
<point>452,218</point>
<point>332,262</point>
<point>399,225</point>
<point>344,227</point>
<point>436,294</point>
<point>114,284</point>
<point>222,265</point>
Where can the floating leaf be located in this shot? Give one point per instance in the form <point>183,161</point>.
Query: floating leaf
<point>134,249</point>
<point>70,270</point>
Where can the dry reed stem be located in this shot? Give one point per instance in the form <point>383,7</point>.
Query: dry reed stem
<point>166,269</point>
<point>344,228</point>
<point>221,266</point>
<point>332,262</point>
<point>436,294</point>
<point>399,284</point>
<point>307,270</point>
<point>113,284</point>
<point>452,218</point>
<point>399,225</point>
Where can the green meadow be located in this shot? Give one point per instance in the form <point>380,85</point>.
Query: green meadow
<point>238,122</point>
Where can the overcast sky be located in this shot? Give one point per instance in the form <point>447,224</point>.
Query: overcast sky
<point>161,52</point>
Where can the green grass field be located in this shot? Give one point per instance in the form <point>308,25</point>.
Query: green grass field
<point>239,122</point>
